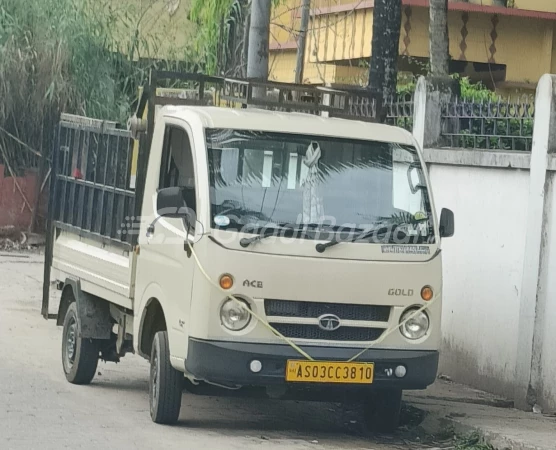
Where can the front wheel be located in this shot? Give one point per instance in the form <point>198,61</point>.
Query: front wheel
<point>382,410</point>
<point>165,383</point>
<point>79,356</point>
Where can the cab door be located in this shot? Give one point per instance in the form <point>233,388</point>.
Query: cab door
<point>164,267</point>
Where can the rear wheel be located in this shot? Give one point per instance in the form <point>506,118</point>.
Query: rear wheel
<point>79,356</point>
<point>382,410</point>
<point>165,383</point>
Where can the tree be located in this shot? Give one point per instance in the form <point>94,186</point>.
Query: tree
<point>234,36</point>
<point>302,40</point>
<point>383,70</point>
<point>221,34</point>
<point>439,39</point>
<point>259,31</point>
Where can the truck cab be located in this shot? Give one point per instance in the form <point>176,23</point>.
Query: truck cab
<point>287,253</point>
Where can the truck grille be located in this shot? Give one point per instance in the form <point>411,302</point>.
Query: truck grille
<point>302,331</point>
<point>285,308</point>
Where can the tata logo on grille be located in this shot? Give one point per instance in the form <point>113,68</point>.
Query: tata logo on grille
<point>329,322</point>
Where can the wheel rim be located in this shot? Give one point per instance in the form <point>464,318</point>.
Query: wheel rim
<point>70,343</point>
<point>154,379</point>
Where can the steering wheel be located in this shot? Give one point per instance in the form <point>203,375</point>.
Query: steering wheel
<point>234,211</point>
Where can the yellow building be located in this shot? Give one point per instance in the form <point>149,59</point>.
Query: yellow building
<point>507,47</point>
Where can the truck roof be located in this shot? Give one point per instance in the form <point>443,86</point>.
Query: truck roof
<point>290,122</point>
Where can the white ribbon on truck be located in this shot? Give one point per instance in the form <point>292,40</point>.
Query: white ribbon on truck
<point>313,209</point>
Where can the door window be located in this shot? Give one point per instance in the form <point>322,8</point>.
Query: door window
<point>177,168</point>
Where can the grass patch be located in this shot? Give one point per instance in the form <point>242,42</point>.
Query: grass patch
<point>472,441</point>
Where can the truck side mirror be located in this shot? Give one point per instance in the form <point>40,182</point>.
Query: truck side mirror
<point>447,226</point>
<point>170,202</point>
<point>414,178</point>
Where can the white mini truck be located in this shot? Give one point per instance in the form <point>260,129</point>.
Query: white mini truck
<point>290,254</point>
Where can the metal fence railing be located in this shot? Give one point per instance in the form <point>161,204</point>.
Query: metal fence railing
<point>342,102</point>
<point>496,125</point>
<point>399,111</point>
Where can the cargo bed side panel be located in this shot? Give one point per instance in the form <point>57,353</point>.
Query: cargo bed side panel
<point>104,271</point>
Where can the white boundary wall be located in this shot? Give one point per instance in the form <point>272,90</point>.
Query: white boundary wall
<point>500,267</point>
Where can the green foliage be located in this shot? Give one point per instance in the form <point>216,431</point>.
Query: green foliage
<point>406,85</point>
<point>476,91</point>
<point>221,32</point>
<point>211,15</point>
<point>472,441</point>
<point>77,56</point>
<point>46,53</point>
<point>404,90</point>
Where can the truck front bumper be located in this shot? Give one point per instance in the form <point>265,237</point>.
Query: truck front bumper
<point>227,363</point>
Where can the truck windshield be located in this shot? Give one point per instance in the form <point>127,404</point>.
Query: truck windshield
<point>264,180</point>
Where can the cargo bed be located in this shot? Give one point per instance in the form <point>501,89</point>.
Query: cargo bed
<point>91,205</point>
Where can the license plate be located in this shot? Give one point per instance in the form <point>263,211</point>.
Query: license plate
<point>329,372</point>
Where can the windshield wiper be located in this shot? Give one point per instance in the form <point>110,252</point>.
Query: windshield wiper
<point>246,242</point>
<point>312,227</point>
<point>293,228</point>
<point>364,235</point>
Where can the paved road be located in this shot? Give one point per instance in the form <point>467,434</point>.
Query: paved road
<point>39,409</point>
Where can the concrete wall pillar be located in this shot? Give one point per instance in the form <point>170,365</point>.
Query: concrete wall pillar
<point>430,94</point>
<point>530,318</point>
<point>426,114</point>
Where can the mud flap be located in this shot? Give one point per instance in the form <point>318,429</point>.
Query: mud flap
<point>93,313</point>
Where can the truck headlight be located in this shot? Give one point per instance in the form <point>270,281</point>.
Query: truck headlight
<point>416,327</point>
<point>234,314</point>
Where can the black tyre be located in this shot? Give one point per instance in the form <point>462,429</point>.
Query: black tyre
<point>382,410</point>
<point>79,356</point>
<point>165,383</point>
